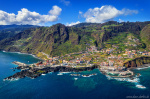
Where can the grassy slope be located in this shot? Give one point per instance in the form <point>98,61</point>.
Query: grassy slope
<point>60,40</point>
<point>145,36</point>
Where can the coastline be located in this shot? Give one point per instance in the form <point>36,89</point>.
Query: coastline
<point>34,73</point>
<point>140,67</point>
<point>23,53</point>
<point>46,70</point>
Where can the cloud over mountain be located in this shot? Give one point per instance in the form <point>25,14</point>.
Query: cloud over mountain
<point>105,13</point>
<point>27,17</point>
<point>73,23</point>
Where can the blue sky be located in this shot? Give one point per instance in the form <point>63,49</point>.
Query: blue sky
<point>49,12</point>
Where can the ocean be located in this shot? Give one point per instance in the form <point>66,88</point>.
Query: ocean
<point>54,86</point>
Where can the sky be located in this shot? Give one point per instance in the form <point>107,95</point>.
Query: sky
<point>71,12</point>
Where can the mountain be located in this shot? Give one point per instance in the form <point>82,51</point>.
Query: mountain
<point>59,39</point>
<point>145,35</point>
<point>7,31</point>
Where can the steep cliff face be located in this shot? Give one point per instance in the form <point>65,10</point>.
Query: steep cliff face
<point>137,62</point>
<point>59,39</point>
<point>54,40</point>
<point>46,39</point>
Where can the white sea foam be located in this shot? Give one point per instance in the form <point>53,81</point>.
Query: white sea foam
<point>86,76</point>
<point>23,53</point>
<point>108,77</point>
<point>64,72</point>
<point>121,79</point>
<point>143,68</point>
<point>13,79</point>
<point>140,86</point>
<point>60,74</point>
<point>134,80</point>
<point>75,78</point>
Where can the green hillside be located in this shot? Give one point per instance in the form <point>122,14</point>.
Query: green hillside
<point>59,40</point>
<point>145,36</point>
<point>7,31</point>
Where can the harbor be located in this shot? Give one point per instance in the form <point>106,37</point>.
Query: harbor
<point>114,72</point>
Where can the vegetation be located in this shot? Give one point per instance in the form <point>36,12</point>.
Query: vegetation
<point>59,40</point>
<point>145,36</point>
<point>7,31</point>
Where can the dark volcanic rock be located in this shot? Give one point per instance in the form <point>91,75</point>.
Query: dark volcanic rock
<point>33,73</point>
<point>138,62</point>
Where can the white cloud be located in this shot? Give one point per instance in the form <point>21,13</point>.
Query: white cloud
<point>120,20</point>
<point>27,17</point>
<point>73,23</point>
<point>55,10</point>
<point>65,2</point>
<point>105,13</point>
<point>80,12</point>
<point>128,12</point>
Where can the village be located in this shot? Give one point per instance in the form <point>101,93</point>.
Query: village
<point>109,60</point>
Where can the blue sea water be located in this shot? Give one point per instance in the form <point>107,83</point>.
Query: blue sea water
<point>53,86</point>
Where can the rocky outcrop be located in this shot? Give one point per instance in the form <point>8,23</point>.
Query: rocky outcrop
<point>33,73</point>
<point>137,62</point>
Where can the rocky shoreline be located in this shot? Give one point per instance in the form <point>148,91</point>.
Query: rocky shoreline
<point>27,71</point>
<point>34,73</point>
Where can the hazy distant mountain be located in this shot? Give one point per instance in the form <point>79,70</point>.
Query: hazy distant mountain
<point>11,30</point>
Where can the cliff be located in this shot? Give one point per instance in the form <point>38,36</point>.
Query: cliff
<point>59,39</point>
<point>137,62</point>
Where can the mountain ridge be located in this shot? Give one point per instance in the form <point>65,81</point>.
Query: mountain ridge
<point>59,39</point>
